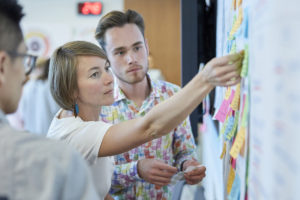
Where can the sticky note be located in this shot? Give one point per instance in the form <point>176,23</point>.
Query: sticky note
<point>237,23</point>
<point>242,151</point>
<point>224,126</point>
<point>223,151</point>
<point>235,104</point>
<point>245,112</point>
<point>227,93</point>
<point>233,48</point>
<point>223,110</point>
<point>238,142</point>
<point>235,190</point>
<point>245,64</point>
<point>231,130</point>
<point>239,3</point>
<point>230,180</point>
<point>233,5</point>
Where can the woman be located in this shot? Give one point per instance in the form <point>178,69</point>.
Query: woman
<point>81,83</point>
<point>37,106</point>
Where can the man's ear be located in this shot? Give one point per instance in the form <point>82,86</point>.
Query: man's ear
<point>147,46</point>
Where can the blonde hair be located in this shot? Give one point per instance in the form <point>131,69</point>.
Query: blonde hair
<point>63,70</point>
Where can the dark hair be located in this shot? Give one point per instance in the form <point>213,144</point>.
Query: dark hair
<point>117,19</point>
<point>10,30</point>
<point>44,66</point>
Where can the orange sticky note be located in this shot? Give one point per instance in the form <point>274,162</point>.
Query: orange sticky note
<point>233,4</point>
<point>238,143</point>
<point>239,3</point>
<point>223,151</point>
<point>230,180</point>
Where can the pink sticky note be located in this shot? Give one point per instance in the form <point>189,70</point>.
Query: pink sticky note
<point>223,110</point>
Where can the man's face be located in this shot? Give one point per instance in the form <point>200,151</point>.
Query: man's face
<point>127,52</point>
<point>12,80</point>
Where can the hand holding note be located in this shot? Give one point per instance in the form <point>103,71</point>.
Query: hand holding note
<point>224,71</point>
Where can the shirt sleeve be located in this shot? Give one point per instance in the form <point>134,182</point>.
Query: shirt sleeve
<point>87,139</point>
<point>124,176</point>
<point>184,147</point>
<point>78,180</point>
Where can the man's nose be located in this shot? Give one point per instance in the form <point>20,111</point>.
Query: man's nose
<point>130,57</point>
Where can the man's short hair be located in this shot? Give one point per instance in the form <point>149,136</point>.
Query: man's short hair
<point>63,70</point>
<point>10,30</point>
<point>117,19</point>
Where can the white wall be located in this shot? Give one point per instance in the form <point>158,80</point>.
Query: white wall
<point>50,23</point>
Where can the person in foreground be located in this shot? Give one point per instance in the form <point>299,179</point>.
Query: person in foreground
<point>81,82</point>
<point>31,167</point>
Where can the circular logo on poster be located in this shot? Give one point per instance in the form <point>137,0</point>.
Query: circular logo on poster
<point>38,43</point>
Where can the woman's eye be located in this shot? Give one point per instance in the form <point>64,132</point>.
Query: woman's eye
<point>95,75</point>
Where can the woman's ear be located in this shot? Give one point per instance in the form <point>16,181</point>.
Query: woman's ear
<point>3,64</point>
<point>75,95</point>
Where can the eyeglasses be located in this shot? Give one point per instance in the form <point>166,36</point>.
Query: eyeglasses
<point>29,60</point>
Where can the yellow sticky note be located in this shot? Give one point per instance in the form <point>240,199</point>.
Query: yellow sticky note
<point>227,93</point>
<point>235,104</point>
<point>238,143</point>
<point>230,180</point>
<point>242,151</point>
<point>233,48</point>
<point>237,23</point>
<point>223,151</point>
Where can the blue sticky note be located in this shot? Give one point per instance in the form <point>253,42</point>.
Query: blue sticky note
<point>236,189</point>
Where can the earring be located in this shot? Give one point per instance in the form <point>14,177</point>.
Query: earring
<point>76,109</point>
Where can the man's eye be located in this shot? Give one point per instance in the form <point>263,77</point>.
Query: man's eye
<point>119,53</point>
<point>137,48</point>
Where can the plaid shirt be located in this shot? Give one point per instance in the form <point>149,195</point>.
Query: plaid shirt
<point>173,148</point>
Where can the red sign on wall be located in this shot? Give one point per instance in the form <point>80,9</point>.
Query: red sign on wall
<point>89,8</point>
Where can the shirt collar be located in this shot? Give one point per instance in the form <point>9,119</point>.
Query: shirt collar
<point>119,94</point>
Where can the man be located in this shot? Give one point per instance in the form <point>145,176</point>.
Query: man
<point>31,167</point>
<point>144,172</point>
